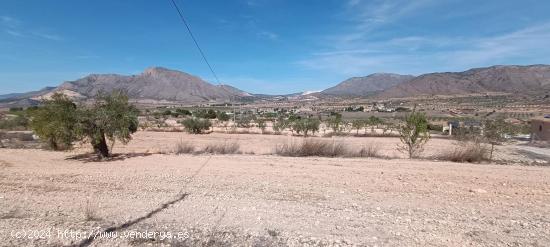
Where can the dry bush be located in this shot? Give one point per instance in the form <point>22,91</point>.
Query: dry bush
<point>370,134</point>
<point>90,213</point>
<point>471,152</point>
<point>331,134</point>
<point>12,214</point>
<point>370,151</point>
<point>540,144</point>
<point>311,147</point>
<point>165,129</point>
<point>183,147</point>
<point>223,148</point>
<point>236,131</point>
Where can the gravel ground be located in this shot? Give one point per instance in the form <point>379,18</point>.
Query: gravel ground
<point>263,200</point>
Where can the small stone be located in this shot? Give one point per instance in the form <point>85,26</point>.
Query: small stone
<point>479,191</point>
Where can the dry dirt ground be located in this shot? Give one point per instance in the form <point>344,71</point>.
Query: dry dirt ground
<point>263,200</point>
<point>164,142</point>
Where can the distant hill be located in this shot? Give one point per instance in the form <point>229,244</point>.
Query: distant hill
<point>155,84</point>
<point>500,79</point>
<point>363,86</point>
<point>23,99</point>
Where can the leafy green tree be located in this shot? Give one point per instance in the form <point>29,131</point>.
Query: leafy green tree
<point>280,124</point>
<point>208,114</point>
<point>414,134</point>
<point>494,132</point>
<point>56,122</point>
<point>222,116</point>
<point>244,121</point>
<point>167,112</point>
<point>296,125</point>
<point>335,122</point>
<point>111,118</point>
<point>60,122</point>
<point>196,125</point>
<point>312,124</point>
<point>358,124</point>
<point>261,124</point>
<point>373,122</point>
<point>19,122</point>
<point>306,125</point>
<point>183,112</point>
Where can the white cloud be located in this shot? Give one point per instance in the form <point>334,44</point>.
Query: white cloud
<point>14,33</point>
<point>426,54</point>
<point>8,21</point>
<point>15,28</point>
<point>371,15</point>
<point>354,51</point>
<point>49,36</point>
<point>268,35</point>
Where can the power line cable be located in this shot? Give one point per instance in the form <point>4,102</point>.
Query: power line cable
<point>180,13</point>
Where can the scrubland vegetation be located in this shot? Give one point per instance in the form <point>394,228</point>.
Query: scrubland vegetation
<point>60,124</point>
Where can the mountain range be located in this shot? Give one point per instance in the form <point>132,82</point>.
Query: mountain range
<point>363,86</point>
<point>533,79</point>
<point>164,85</point>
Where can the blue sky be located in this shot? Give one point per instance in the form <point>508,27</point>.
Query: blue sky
<point>265,46</point>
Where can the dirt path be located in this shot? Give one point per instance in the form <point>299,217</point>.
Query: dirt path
<point>269,200</point>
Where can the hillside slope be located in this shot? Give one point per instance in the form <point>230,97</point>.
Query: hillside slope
<point>501,79</point>
<point>362,86</point>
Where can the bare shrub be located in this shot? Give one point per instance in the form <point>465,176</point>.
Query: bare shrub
<point>223,148</point>
<point>12,214</point>
<point>183,147</point>
<point>236,131</point>
<point>311,147</point>
<point>90,213</point>
<point>370,151</point>
<point>413,134</point>
<point>472,153</point>
<point>331,134</point>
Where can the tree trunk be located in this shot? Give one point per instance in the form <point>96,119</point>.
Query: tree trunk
<point>492,149</point>
<point>53,144</point>
<point>100,147</point>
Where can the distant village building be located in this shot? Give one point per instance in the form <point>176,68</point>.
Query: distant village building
<point>540,129</point>
<point>472,125</point>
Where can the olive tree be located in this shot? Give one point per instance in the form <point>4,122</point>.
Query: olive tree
<point>280,124</point>
<point>110,118</point>
<point>306,125</point>
<point>261,124</point>
<point>60,122</point>
<point>494,132</point>
<point>373,122</point>
<point>56,122</point>
<point>413,134</point>
<point>358,124</point>
<point>335,122</point>
<point>196,125</point>
<point>223,118</point>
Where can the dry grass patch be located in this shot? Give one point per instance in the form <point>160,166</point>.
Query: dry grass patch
<point>331,134</point>
<point>312,147</point>
<point>325,148</point>
<point>90,213</point>
<point>183,147</point>
<point>12,214</point>
<point>471,153</point>
<point>370,151</point>
<point>223,148</point>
